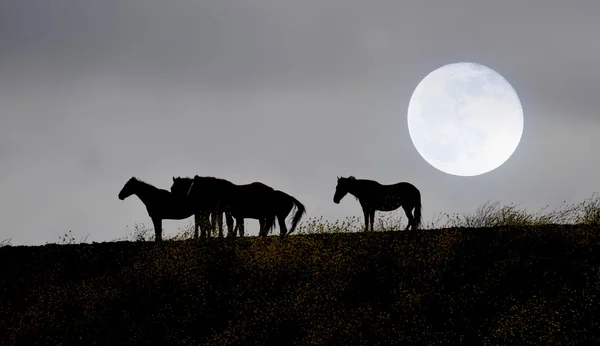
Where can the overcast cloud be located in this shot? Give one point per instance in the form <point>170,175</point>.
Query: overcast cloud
<point>289,93</point>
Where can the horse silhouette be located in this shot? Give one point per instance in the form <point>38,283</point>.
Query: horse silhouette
<point>207,227</point>
<point>284,205</point>
<point>254,201</point>
<point>160,204</point>
<point>374,196</point>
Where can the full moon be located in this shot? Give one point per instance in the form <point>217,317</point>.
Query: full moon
<point>465,119</point>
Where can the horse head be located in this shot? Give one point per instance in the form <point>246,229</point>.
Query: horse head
<point>341,189</point>
<point>128,189</point>
<point>181,186</point>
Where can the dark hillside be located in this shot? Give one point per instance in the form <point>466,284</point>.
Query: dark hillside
<point>523,285</point>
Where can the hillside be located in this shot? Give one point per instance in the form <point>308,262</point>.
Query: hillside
<point>495,285</point>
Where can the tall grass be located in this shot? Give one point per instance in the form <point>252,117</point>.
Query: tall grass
<point>489,214</point>
<point>588,211</point>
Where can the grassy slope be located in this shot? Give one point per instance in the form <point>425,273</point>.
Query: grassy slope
<point>497,285</point>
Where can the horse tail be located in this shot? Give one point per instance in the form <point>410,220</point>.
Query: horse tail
<point>270,223</point>
<point>300,210</point>
<point>418,209</point>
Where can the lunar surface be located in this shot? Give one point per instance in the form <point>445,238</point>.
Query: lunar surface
<point>465,119</point>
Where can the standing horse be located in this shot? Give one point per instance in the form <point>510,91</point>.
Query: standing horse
<point>207,228</point>
<point>180,188</point>
<point>255,200</point>
<point>374,196</point>
<point>161,204</point>
<point>284,205</point>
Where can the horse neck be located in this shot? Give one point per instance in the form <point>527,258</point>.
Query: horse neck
<point>145,191</point>
<point>356,189</point>
<point>186,186</point>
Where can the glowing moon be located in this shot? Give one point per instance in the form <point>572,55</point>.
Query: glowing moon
<point>465,119</point>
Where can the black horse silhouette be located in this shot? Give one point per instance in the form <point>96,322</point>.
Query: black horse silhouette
<point>284,205</point>
<point>254,201</point>
<point>161,204</point>
<point>207,227</point>
<point>374,196</point>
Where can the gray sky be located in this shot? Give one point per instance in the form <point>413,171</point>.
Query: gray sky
<point>294,93</point>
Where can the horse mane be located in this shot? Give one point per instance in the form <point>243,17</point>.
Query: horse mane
<point>353,179</point>
<point>140,181</point>
<point>212,178</point>
<point>206,177</point>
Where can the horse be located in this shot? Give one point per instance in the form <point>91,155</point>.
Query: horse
<point>374,196</point>
<point>284,205</point>
<point>160,204</point>
<point>254,201</point>
<point>180,189</point>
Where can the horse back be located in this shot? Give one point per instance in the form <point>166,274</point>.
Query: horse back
<point>404,185</point>
<point>402,191</point>
<point>255,191</point>
<point>255,187</point>
<point>408,192</point>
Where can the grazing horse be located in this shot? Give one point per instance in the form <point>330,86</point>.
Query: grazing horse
<point>161,204</point>
<point>180,189</point>
<point>254,201</point>
<point>374,196</point>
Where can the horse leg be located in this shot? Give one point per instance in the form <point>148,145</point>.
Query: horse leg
<point>372,219</point>
<point>239,224</point>
<point>204,225</point>
<point>411,219</point>
<point>219,214</point>
<point>230,231</point>
<point>366,214</point>
<point>261,228</point>
<point>157,229</point>
<point>282,227</point>
<point>229,220</point>
<point>213,224</point>
<point>196,224</point>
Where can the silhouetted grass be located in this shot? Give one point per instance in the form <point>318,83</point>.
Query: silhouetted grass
<point>490,214</point>
<point>520,282</point>
<point>5,242</point>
